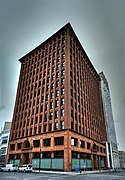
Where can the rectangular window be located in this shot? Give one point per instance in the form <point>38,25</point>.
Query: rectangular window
<point>63,56</point>
<point>56,114</point>
<point>62,112</point>
<point>47,97</point>
<point>58,59</point>
<point>82,144</point>
<point>44,128</point>
<point>58,66</point>
<point>63,72</point>
<point>57,93</point>
<point>74,141</point>
<point>36,143</point>
<point>51,105</point>
<point>62,124</point>
<point>62,101</point>
<point>56,125</point>
<point>52,86</point>
<point>50,127</point>
<point>62,91</point>
<point>45,117</point>
<point>19,145</point>
<point>63,63</point>
<point>57,83</point>
<point>59,141</point>
<point>62,81</point>
<point>88,145</point>
<point>57,75</point>
<point>46,142</point>
<point>52,95</point>
<point>57,103</point>
<point>51,115</point>
<point>12,146</point>
<point>52,77</point>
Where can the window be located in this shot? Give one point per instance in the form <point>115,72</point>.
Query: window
<point>52,85</point>
<point>52,95</point>
<point>74,141</point>
<point>56,125</point>
<point>63,64</point>
<point>51,115</point>
<point>56,114</point>
<point>12,146</point>
<point>46,107</point>
<point>62,112</point>
<point>57,103</point>
<point>63,56</point>
<point>50,127</point>
<point>57,83</point>
<point>62,124</point>
<point>62,101</point>
<point>47,97</point>
<point>3,150</point>
<point>54,46</point>
<point>52,77</point>
<point>57,75</point>
<point>53,69</point>
<point>59,141</point>
<point>63,48</point>
<point>47,88</point>
<point>45,117</point>
<point>62,81</point>
<point>54,54</point>
<point>57,93</point>
<point>19,145</point>
<point>46,142</point>
<point>4,139</point>
<point>58,66</point>
<point>41,118</point>
<point>82,144</point>
<point>62,91</point>
<point>63,72</point>
<point>36,143</point>
<point>44,128</point>
<point>48,79</point>
<point>51,105</point>
<point>58,59</point>
<point>59,154</point>
<point>88,145</point>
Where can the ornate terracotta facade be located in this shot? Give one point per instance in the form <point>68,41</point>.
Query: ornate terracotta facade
<point>58,111</point>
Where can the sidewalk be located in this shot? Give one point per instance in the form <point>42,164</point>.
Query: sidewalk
<point>74,173</point>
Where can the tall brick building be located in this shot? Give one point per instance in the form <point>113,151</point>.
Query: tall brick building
<point>58,120</point>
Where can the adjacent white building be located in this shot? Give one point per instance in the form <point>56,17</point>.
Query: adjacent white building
<point>4,137</point>
<point>112,147</point>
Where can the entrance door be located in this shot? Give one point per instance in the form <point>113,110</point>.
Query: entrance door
<point>26,158</point>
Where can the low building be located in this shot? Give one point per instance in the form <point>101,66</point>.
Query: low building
<point>122,159</point>
<point>4,137</point>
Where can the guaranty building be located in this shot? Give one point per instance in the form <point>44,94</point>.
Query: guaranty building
<point>58,121</point>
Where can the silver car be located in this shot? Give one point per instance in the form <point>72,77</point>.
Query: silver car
<point>25,168</point>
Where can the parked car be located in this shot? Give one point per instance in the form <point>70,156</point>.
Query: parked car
<point>10,167</point>
<point>1,169</point>
<point>25,168</point>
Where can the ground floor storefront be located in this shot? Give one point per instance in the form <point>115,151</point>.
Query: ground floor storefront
<point>65,150</point>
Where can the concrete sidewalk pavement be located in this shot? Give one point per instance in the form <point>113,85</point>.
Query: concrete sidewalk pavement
<point>75,173</point>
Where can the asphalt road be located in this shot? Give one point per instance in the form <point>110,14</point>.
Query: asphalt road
<point>40,176</point>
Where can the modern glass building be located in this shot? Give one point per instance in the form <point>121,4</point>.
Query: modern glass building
<point>111,145</point>
<point>58,120</point>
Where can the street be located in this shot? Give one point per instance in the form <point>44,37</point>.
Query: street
<point>45,176</point>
